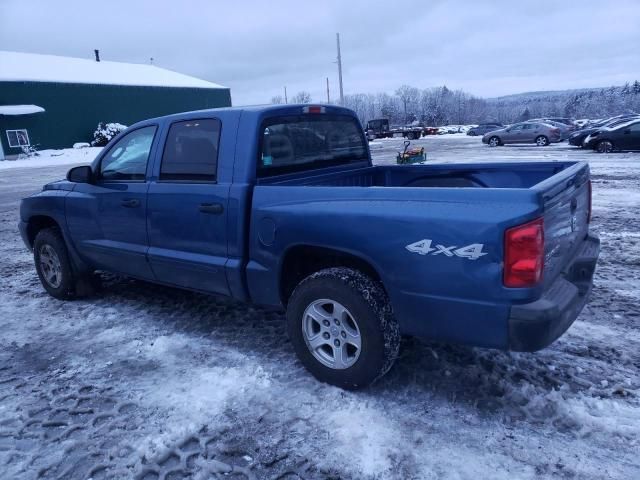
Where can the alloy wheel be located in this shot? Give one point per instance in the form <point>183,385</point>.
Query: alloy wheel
<point>331,334</point>
<point>50,266</point>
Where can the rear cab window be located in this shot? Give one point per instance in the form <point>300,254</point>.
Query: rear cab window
<point>191,151</point>
<point>306,142</point>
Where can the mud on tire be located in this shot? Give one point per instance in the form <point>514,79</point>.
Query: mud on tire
<point>367,302</point>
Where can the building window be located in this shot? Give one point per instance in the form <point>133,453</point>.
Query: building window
<point>18,138</point>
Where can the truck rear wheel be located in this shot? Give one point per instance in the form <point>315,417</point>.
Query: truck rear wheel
<point>342,327</point>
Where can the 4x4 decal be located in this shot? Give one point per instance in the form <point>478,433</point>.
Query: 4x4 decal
<point>423,247</point>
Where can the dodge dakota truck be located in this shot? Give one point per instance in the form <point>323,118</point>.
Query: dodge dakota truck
<point>281,206</point>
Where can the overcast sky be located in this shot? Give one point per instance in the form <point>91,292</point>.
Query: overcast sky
<point>257,47</point>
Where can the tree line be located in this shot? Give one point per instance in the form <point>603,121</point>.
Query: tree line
<point>441,106</point>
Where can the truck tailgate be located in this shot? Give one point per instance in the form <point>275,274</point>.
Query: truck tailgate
<point>566,199</point>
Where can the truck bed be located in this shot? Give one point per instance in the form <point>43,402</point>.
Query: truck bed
<point>468,205</point>
<point>486,175</point>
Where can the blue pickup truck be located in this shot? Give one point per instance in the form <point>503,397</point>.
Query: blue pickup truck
<point>281,206</point>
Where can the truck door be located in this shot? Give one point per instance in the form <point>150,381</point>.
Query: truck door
<point>107,218</point>
<point>187,209</point>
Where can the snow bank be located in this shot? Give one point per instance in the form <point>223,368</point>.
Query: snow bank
<point>48,158</point>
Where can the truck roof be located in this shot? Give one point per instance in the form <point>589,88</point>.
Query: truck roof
<point>260,110</point>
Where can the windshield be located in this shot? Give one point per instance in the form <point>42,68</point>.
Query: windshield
<point>305,142</point>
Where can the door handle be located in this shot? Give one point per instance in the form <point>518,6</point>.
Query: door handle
<point>130,202</point>
<point>214,208</point>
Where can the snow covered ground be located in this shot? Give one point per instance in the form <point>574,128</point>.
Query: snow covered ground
<point>47,158</point>
<point>144,381</point>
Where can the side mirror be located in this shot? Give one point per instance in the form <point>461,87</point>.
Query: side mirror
<point>508,130</point>
<point>82,174</point>
<point>627,131</point>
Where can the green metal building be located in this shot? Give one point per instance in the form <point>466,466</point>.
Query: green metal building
<point>48,101</point>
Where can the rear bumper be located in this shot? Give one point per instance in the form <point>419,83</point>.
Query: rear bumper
<point>535,325</point>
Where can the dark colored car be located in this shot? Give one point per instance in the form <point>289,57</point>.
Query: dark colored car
<point>484,128</point>
<point>577,138</point>
<point>622,137</point>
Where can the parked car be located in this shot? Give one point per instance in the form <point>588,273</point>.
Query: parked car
<point>565,130</point>
<point>577,138</point>
<point>541,134</point>
<point>484,128</point>
<point>282,206</point>
<point>625,136</point>
<point>564,120</point>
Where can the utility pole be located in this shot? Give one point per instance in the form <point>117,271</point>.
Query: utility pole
<point>285,95</point>
<point>340,70</point>
<point>328,97</point>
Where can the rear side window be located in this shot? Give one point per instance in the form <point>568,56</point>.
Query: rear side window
<point>307,142</point>
<point>191,151</point>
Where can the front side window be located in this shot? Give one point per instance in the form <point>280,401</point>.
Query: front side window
<point>635,127</point>
<point>305,142</point>
<point>517,128</point>
<point>127,159</point>
<point>191,151</point>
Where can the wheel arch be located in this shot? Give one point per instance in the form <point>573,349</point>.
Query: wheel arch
<point>36,223</point>
<point>300,261</point>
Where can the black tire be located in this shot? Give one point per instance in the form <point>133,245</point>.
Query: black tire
<point>472,133</point>
<point>494,141</point>
<point>52,238</point>
<point>367,302</point>
<point>542,141</point>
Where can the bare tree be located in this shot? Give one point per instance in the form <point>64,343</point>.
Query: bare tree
<point>409,96</point>
<point>301,97</point>
<point>277,100</point>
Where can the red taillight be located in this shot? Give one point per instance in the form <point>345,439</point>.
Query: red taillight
<point>313,109</point>
<point>589,211</point>
<point>524,254</point>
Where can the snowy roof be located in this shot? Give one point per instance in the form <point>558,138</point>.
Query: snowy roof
<point>32,67</point>
<point>20,109</point>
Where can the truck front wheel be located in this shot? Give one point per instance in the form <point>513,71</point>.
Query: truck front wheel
<point>342,327</point>
<point>52,264</point>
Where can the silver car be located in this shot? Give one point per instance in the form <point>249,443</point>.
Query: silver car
<point>541,134</point>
